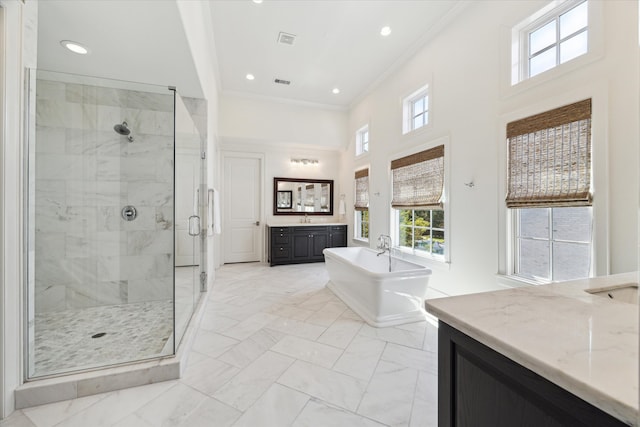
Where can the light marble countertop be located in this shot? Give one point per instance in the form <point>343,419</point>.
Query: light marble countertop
<point>304,224</point>
<point>584,343</point>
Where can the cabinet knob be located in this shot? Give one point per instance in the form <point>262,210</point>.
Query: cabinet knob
<point>281,234</point>
<point>280,248</point>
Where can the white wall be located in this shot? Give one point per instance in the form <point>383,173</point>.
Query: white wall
<point>277,163</point>
<point>269,121</point>
<point>280,131</point>
<point>468,69</point>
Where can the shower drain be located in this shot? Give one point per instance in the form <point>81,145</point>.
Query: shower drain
<point>99,335</point>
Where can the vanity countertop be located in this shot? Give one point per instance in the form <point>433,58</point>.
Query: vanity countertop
<point>305,224</point>
<point>586,344</point>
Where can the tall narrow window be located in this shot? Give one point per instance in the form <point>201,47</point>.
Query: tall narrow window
<point>418,182</point>
<point>362,141</point>
<point>362,204</point>
<point>549,185</point>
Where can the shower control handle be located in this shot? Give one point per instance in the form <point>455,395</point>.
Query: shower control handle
<point>129,213</point>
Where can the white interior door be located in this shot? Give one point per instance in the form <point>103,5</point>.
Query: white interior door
<point>242,190</point>
<point>187,181</point>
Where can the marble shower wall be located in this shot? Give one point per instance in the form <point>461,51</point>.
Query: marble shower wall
<point>86,255</point>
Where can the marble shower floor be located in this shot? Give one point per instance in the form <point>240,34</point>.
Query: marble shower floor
<point>63,339</point>
<point>136,331</point>
<point>275,348</point>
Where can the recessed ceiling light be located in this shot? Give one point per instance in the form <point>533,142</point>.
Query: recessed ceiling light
<point>336,91</point>
<point>75,47</point>
<point>257,1</point>
<point>250,77</point>
<point>385,31</point>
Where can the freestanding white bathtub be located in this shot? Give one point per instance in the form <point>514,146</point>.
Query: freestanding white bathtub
<point>362,280</point>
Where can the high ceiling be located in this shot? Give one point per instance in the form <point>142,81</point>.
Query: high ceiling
<point>337,43</point>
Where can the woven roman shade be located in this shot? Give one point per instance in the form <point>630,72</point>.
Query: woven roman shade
<point>549,158</point>
<point>362,190</point>
<point>418,180</point>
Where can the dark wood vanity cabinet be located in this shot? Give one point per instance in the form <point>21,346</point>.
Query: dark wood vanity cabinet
<point>300,244</point>
<point>479,387</point>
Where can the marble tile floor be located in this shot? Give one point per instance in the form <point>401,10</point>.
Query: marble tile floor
<point>275,348</point>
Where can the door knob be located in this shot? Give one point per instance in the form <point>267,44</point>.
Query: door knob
<point>257,222</point>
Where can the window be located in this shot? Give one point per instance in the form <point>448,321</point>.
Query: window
<point>555,37</point>
<point>362,141</point>
<point>549,188</point>
<point>553,244</point>
<point>421,230</point>
<point>418,183</point>
<point>416,110</point>
<point>362,225</point>
<point>362,204</point>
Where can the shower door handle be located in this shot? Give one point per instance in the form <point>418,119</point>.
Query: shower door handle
<point>194,225</point>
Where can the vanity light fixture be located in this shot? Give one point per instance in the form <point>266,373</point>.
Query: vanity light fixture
<point>305,162</point>
<point>75,47</point>
<point>385,31</point>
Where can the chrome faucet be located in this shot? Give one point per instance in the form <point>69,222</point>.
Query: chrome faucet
<point>385,244</point>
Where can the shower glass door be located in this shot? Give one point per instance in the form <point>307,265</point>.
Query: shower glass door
<point>100,223</point>
<point>190,230</point>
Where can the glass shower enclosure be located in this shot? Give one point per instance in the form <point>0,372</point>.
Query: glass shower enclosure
<point>101,223</point>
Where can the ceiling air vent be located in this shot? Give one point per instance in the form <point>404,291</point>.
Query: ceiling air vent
<point>282,82</point>
<point>286,38</point>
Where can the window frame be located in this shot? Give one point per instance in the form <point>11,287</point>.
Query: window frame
<point>515,216</point>
<point>358,222</point>
<point>518,74</point>
<point>552,16</point>
<point>360,143</point>
<point>357,216</point>
<point>408,109</point>
<point>442,262</point>
<point>413,250</point>
<point>601,247</point>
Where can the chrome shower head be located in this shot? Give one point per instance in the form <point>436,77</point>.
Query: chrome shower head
<point>123,129</point>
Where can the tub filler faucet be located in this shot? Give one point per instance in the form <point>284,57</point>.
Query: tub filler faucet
<point>384,243</point>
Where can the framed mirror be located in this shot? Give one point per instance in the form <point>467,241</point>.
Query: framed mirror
<point>300,196</point>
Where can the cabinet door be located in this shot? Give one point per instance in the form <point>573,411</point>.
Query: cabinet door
<point>301,247</point>
<point>338,236</point>
<point>319,241</point>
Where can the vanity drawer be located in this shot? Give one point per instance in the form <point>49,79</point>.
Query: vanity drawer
<point>279,253</point>
<point>278,238</point>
